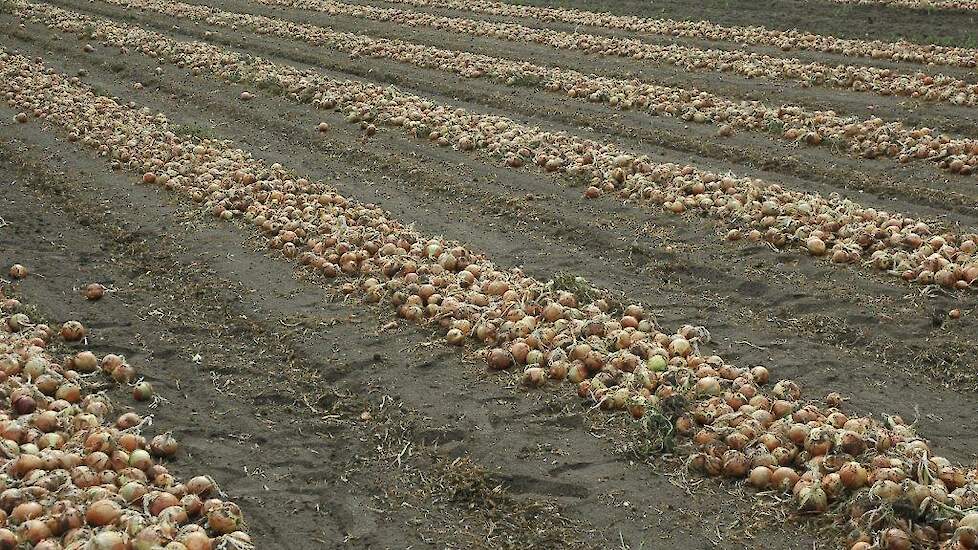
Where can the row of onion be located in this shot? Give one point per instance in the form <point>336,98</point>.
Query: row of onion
<point>862,78</point>
<point>897,492</point>
<point>789,40</point>
<point>864,137</point>
<point>918,4</point>
<point>833,227</point>
<point>75,477</point>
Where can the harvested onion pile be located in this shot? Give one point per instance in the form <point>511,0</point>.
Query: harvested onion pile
<point>869,138</point>
<point>752,35</point>
<point>860,78</point>
<point>836,228</point>
<point>896,490</point>
<point>75,479</point>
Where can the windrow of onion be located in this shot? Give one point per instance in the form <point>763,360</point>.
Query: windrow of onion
<point>918,4</point>
<point>72,476</point>
<point>869,138</point>
<point>895,489</point>
<point>750,35</point>
<point>833,227</point>
<point>885,82</point>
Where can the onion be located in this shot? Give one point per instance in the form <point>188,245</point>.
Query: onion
<point>784,479</point>
<point>108,540</point>
<point>18,271</point>
<point>896,539</point>
<point>60,497</point>
<point>559,370</point>
<point>969,520</point>
<point>34,531</point>
<point>175,515</point>
<point>239,536</point>
<point>18,321</point>
<point>25,464</point>
<point>72,331</point>
<point>812,499</point>
<point>760,374</point>
<point>110,361</point>
<point>832,485</point>
<point>95,291</point>
<point>192,504</point>
<point>69,392</point>
<point>534,377</point>
<point>760,477</point>
<point>966,536</point>
<point>24,404</point>
<point>132,492</point>
<point>196,540</point>
<point>161,500</point>
<point>130,442</point>
<point>680,347</point>
<point>140,459</point>
<point>656,363</point>
<point>163,445</point>
<point>499,359</point>
<point>142,391</point>
<point>85,361</point>
<point>853,475</point>
<point>816,246</point>
<point>886,490</point>
<point>708,386</point>
<point>46,421</point>
<point>128,420</point>
<point>123,373</point>
<point>200,485</point>
<point>224,519</point>
<point>103,512</point>
<point>735,464</point>
<point>25,511</point>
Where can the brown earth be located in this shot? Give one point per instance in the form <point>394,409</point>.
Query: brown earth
<point>449,456</point>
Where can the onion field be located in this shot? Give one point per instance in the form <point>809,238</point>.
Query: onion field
<point>289,274</point>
